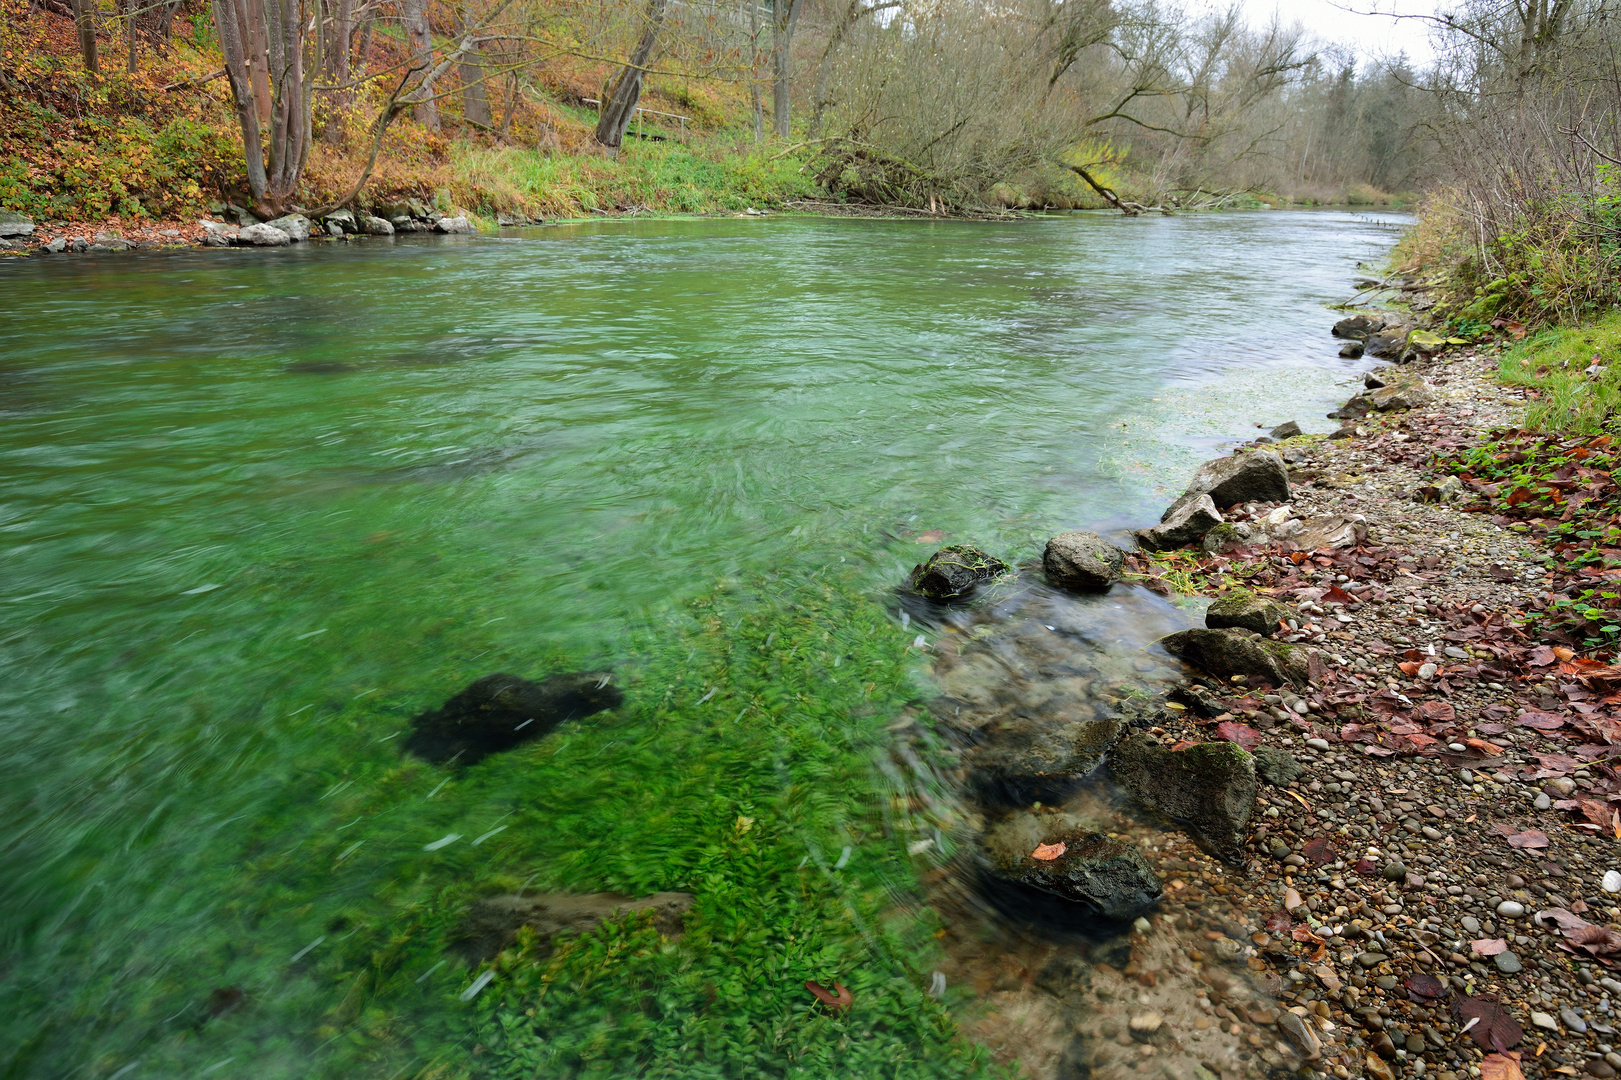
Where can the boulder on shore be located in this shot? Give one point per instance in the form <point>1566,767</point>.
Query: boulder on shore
<point>1226,652</point>
<point>1093,875</point>
<point>1024,759</point>
<point>262,235</point>
<point>1246,611</point>
<point>954,571</point>
<point>1357,327</point>
<point>501,711</point>
<point>492,924</point>
<point>1287,430</point>
<point>374,226</point>
<point>296,226</point>
<point>1210,788</point>
<point>14,224</point>
<point>1082,562</point>
<point>1185,527</point>
<point>1245,476</point>
<point>454,225</point>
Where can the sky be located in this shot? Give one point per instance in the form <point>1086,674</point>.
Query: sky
<point>1335,21</point>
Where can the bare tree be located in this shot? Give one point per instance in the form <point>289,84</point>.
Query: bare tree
<point>84,12</point>
<point>475,100</point>
<point>420,35</point>
<point>784,19</point>
<point>276,152</point>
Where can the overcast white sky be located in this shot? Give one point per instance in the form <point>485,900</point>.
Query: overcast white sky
<point>1369,35</point>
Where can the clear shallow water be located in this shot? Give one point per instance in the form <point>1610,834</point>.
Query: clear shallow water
<point>259,508</point>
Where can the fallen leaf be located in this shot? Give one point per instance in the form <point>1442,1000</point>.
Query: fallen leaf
<point>1542,721</point>
<point>933,536</point>
<point>1484,747</point>
<point>1541,656</point>
<point>1409,667</point>
<point>1590,938</point>
<point>1530,838</point>
<point>1337,595</point>
<point>837,999</point>
<point>1501,1067</point>
<point>1048,852</point>
<point>1437,712</point>
<point>1242,734</point>
<point>1421,986</point>
<point>1303,933</point>
<point>1489,946</point>
<point>1495,1030</point>
<point>1278,922</point>
<point>1319,851</point>
<point>1564,653</point>
<point>1365,866</point>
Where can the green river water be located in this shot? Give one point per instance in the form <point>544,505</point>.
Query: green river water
<point>259,509</point>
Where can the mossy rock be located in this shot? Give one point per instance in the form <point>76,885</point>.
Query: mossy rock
<point>1210,788</point>
<point>1093,877</point>
<point>1038,759</point>
<point>955,571</point>
<point>1227,652</point>
<point>1244,610</point>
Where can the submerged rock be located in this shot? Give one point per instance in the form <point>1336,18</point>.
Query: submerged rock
<point>492,924</point>
<point>1082,562</point>
<point>1183,528</point>
<point>1038,759</point>
<point>1227,652</point>
<point>1094,876</point>
<point>1275,766</point>
<point>955,571</point>
<point>1247,476</point>
<point>1246,611</point>
<point>501,711</point>
<point>1351,350</point>
<point>1210,788</point>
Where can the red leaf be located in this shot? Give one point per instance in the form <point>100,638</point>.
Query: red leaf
<point>1242,734</point>
<point>1278,922</point>
<point>1425,986</point>
<point>1409,668</point>
<point>1436,712</point>
<point>1496,1029</point>
<point>1541,656</point>
<point>1542,721</point>
<point>838,999</point>
<point>1501,1067</point>
<point>1337,595</point>
<point>1366,866</point>
<point>1530,838</point>
<point>1489,946</point>
<point>1048,852</point>
<point>1319,851</point>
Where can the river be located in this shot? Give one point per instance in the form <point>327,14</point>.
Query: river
<point>260,509</point>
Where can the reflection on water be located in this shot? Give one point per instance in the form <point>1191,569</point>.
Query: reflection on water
<point>263,507</point>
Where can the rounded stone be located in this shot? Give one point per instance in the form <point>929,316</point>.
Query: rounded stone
<point>1507,963</point>
<point>1511,909</point>
<point>1394,872</point>
<point>1082,562</point>
<point>1612,881</point>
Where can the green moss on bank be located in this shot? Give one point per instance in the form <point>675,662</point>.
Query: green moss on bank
<point>1575,373</point>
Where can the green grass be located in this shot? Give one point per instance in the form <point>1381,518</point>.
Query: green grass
<point>667,177</point>
<point>744,760</point>
<point>1555,363</point>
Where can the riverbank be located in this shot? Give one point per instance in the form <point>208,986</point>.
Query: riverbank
<point>1454,754</point>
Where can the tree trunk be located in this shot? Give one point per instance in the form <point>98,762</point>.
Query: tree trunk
<point>275,153</point>
<point>754,70</point>
<point>129,34</point>
<point>784,16</point>
<point>256,38</point>
<point>86,28</point>
<point>420,35</point>
<point>619,106</point>
<point>475,100</point>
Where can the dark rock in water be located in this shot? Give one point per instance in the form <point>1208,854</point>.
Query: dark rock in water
<point>1247,476</point>
<point>1354,409</point>
<point>1185,527</point>
<point>318,367</point>
<point>1351,350</point>
<point>1357,327</point>
<point>1373,380</point>
<point>499,712</point>
<point>1228,652</point>
<point>1210,788</point>
<point>1286,431</point>
<point>493,923</point>
<point>1275,766</point>
<point>1246,611</point>
<point>1082,562</point>
<point>1094,877</point>
<point>955,571</point>
<point>1038,759</point>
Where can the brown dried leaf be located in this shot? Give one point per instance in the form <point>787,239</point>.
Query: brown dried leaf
<point>1530,839</point>
<point>838,999</point>
<point>1048,852</point>
<point>1242,734</point>
<point>1489,946</point>
<point>1496,1029</point>
<point>1425,987</point>
<point>1501,1067</point>
<point>1320,851</point>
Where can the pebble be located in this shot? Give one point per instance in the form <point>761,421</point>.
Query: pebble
<point>1542,802</point>
<point>1573,1020</point>
<point>1145,1024</point>
<point>1300,1035</point>
<point>1544,1021</point>
<point>1511,909</point>
<point>1612,881</point>
<point>1470,924</point>
<point>1395,872</point>
<point>1564,785</point>
<point>1600,1068</point>
<point>1371,959</point>
<point>1507,963</point>
<point>1319,744</point>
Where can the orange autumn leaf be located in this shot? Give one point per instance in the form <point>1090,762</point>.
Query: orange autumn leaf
<point>838,999</point>
<point>1501,1067</point>
<point>1047,852</point>
<point>1484,747</point>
